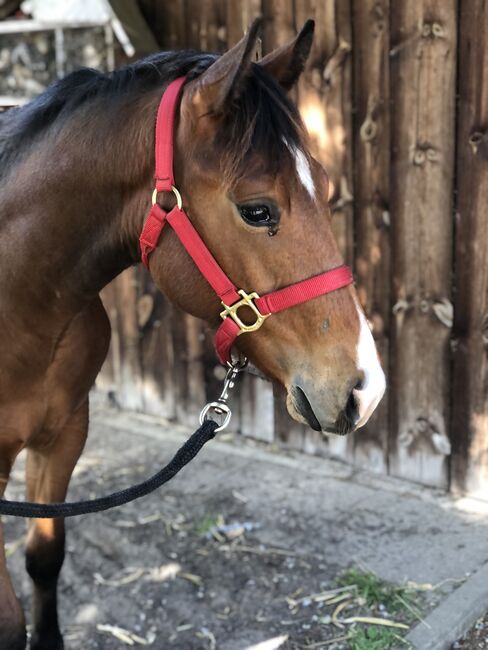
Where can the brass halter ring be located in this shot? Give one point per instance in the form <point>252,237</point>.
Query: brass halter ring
<point>179,201</point>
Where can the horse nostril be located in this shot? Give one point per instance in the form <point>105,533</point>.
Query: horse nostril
<point>360,382</point>
<point>349,417</point>
<point>351,411</point>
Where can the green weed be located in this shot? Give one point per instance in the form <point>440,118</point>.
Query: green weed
<point>373,638</point>
<point>378,594</point>
<point>207,523</point>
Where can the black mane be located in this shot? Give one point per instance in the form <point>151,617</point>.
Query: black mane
<point>262,119</point>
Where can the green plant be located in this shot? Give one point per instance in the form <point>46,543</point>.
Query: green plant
<point>373,638</point>
<point>374,592</point>
<point>207,523</point>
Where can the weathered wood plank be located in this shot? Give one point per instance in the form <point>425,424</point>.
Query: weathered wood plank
<point>325,104</point>
<point>256,408</point>
<point>371,200</point>
<point>470,379</point>
<point>240,14</point>
<point>324,99</point>
<point>205,25</point>
<point>125,345</point>
<point>167,21</point>
<point>106,379</point>
<point>279,23</point>
<point>423,77</point>
<point>157,358</point>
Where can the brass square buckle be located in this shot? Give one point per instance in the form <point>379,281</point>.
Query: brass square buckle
<point>247,301</point>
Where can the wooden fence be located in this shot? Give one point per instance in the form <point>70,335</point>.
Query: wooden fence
<point>395,97</point>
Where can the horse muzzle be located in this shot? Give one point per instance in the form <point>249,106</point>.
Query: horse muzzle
<point>327,409</point>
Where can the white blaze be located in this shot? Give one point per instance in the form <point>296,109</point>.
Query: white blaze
<point>374,384</point>
<point>303,169</point>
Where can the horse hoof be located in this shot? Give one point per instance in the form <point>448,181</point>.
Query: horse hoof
<point>47,642</point>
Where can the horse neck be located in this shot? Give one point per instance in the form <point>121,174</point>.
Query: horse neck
<point>72,209</point>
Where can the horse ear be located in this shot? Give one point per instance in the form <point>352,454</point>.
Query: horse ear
<point>221,82</point>
<point>287,62</point>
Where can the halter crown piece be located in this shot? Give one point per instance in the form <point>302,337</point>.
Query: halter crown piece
<point>232,298</point>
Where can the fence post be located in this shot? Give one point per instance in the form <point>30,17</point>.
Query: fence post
<point>423,66</point>
<point>470,381</point>
<point>371,101</point>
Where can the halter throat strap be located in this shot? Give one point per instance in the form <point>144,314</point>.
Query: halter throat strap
<point>231,297</point>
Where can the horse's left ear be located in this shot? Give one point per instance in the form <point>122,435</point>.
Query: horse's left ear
<point>287,62</point>
<point>221,82</point>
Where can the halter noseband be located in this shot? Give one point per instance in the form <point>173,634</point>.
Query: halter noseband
<point>232,299</point>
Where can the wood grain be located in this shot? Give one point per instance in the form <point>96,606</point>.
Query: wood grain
<point>423,76</point>
<point>371,201</point>
<point>470,381</point>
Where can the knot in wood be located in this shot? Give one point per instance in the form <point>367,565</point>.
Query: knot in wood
<point>475,139</point>
<point>438,30</point>
<point>368,129</point>
<point>399,306</point>
<point>484,329</point>
<point>444,311</point>
<point>432,30</point>
<point>432,154</point>
<point>145,306</point>
<point>419,157</point>
<point>425,152</point>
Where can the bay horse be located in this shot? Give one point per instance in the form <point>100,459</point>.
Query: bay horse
<point>76,174</point>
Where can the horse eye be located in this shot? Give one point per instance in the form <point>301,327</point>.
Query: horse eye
<point>257,215</point>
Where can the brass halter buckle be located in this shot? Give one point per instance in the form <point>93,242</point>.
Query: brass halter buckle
<point>246,301</point>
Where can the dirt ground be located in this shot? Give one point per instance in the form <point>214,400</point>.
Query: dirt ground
<point>153,572</point>
<point>476,638</point>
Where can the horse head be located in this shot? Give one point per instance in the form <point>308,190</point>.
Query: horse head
<point>259,200</point>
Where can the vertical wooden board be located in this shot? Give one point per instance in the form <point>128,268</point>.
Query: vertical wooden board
<point>106,379</point>
<point>371,201</point>
<point>257,408</point>
<point>206,25</point>
<point>239,16</point>
<point>155,318</point>
<point>195,372</point>
<point>168,24</point>
<point>324,99</point>
<point>188,373</point>
<point>423,75</point>
<point>470,380</point>
<point>325,104</point>
<point>279,23</point>
<point>125,344</point>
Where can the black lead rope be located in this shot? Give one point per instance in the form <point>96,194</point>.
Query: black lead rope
<point>182,457</point>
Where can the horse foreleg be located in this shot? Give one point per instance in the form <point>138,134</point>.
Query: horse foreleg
<point>48,472</point>
<point>12,623</point>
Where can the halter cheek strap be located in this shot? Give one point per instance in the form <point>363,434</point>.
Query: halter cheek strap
<point>232,298</point>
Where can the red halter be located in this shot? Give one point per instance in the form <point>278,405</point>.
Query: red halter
<point>232,298</point>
